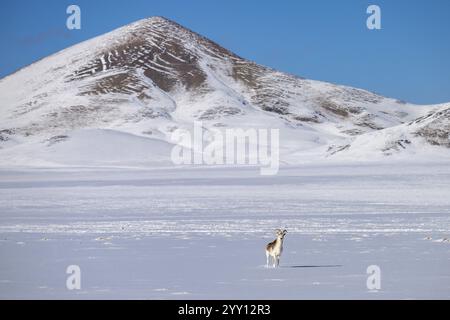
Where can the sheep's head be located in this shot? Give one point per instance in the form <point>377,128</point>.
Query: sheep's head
<point>281,233</point>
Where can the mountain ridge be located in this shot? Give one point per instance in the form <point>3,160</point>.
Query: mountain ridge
<point>153,76</point>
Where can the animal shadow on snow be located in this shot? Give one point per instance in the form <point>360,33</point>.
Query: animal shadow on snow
<point>313,266</point>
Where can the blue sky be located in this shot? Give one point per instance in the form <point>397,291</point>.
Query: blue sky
<point>408,59</point>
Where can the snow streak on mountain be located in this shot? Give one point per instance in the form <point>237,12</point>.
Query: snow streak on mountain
<point>116,99</point>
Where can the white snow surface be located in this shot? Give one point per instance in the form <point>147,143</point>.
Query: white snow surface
<point>200,233</point>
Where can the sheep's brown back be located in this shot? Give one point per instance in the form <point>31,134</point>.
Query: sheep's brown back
<point>271,245</point>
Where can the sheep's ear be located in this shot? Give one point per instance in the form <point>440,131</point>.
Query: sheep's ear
<point>284,231</point>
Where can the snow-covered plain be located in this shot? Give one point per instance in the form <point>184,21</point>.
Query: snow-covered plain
<point>86,178</point>
<point>196,233</point>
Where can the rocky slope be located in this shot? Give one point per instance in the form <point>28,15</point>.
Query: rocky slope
<point>153,76</point>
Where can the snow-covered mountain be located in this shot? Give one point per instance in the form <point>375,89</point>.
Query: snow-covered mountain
<point>116,99</point>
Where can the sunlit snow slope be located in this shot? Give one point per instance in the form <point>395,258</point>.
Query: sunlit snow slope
<point>116,99</point>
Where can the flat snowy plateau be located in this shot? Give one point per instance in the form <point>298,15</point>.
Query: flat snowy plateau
<point>200,233</point>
